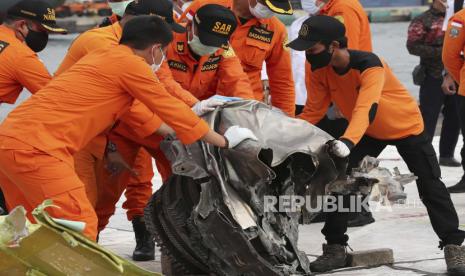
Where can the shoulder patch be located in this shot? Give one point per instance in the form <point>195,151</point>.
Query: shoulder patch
<point>362,61</point>
<point>3,45</point>
<point>177,65</point>
<point>260,33</point>
<point>454,32</point>
<point>229,52</point>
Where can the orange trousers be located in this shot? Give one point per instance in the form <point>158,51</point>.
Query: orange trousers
<point>87,167</point>
<point>29,176</point>
<point>138,154</point>
<point>138,188</point>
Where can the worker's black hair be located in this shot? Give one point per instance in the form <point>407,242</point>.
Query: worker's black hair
<point>145,30</point>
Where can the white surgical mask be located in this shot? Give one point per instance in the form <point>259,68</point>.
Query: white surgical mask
<point>311,7</point>
<point>119,8</point>
<point>198,47</point>
<point>261,11</point>
<point>154,65</point>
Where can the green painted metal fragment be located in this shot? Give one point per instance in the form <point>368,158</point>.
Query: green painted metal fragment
<point>51,248</point>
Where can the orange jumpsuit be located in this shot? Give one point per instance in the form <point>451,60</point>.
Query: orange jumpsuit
<point>454,45</point>
<point>31,73</point>
<point>355,20</point>
<point>256,41</point>
<point>39,138</point>
<point>218,74</point>
<point>20,67</point>
<point>369,95</point>
<point>89,161</point>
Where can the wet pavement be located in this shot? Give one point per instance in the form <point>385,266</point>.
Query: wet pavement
<point>405,229</point>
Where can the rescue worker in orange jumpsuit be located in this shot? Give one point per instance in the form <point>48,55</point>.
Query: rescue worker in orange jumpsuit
<point>380,112</point>
<point>89,163</point>
<point>355,20</point>
<point>22,35</point>
<point>452,57</point>
<point>196,63</point>
<point>260,37</point>
<point>39,138</point>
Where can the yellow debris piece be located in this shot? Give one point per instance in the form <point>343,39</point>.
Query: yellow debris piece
<point>49,248</point>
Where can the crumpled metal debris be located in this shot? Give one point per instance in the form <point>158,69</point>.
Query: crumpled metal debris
<point>210,217</point>
<point>369,179</point>
<point>13,227</point>
<point>49,248</point>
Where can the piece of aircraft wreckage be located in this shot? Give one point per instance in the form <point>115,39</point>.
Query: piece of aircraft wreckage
<point>55,247</point>
<point>212,217</point>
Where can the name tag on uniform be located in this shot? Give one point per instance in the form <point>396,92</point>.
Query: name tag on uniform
<point>176,65</point>
<point>261,34</point>
<point>3,46</point>
<point>211,64</point>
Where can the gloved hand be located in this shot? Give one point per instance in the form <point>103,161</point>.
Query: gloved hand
<point>236,134</point>
<point>225,99</point>
<point>338,148</point>
<point>206,106</point>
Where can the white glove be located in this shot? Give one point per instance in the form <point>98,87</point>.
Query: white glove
<point>236,134</point>
<point>338,148</point>
<point>205,106</point>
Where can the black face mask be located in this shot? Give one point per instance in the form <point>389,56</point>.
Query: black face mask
<point>319,60</point>
<point>36,40</point>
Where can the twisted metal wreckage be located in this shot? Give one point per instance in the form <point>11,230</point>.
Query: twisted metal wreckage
<point>210,218</point>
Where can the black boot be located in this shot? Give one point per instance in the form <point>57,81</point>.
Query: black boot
<point>334,257</point>
<point>145,245</point>
<point>455,259</point>
<point>459,187</point>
